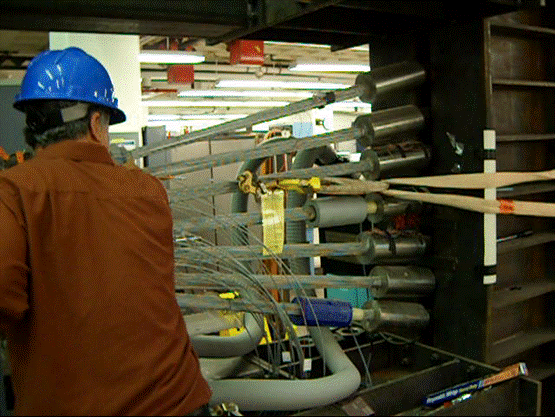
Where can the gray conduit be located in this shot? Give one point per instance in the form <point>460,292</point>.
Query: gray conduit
<point>239,345</point>
<point>218,368</point>
<point>287,395</point>
<point>295,231</point>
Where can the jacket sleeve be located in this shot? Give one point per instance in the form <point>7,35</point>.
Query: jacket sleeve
<point>13,260</point>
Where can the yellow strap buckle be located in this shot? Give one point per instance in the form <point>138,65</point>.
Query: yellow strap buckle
<point>301,186</point>
<point>246,184</point>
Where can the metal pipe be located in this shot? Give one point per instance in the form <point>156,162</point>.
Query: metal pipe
<point>395,77</point>
<point>227,346</point>
<point>401,280</point>
<point>368,86</point>
<point>382,281</point>
<point>337,211</point>
<point>214,302</point>
<point>385,208</point>
<point>263,151</point>
<point>393,314</point>
<point>225,221</point>
<point>210,322</point>
<point>381,123</point>
<point>398,156</point>
<point>298,250</point>
<point>391,249</point>
<point>385,123</point>
<point>289,395</point>
<point>365,165</point>
<point>318,100</point>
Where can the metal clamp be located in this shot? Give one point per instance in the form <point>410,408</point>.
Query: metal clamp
<point>246,184</point>
<point>302,186</point>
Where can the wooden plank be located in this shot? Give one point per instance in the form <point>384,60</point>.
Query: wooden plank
<point>522,83</point>
<point>523,137</point>
<point>515,294</point>
<point>525,242</point>
<point>520,342</point>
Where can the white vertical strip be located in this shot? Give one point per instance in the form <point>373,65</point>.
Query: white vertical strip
<point>490,220</point>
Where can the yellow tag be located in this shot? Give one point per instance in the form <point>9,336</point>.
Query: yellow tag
<point>273,222</point>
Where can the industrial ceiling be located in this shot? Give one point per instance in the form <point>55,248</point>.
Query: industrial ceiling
<point>333,29</point>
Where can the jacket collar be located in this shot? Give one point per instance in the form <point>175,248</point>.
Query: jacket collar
<point>76,151</point>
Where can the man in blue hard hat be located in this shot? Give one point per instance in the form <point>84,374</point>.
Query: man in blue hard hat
<point>86,261</point>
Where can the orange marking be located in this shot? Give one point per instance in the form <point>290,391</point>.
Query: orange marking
<point>20,157</point>
<point>3,154</point>
<point>506,206</point>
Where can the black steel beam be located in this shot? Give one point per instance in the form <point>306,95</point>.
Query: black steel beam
<point>165,18</point>
<point>272,12</point>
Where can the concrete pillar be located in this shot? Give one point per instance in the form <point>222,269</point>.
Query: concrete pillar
<point>118,53</point>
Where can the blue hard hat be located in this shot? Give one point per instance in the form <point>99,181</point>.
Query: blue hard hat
<point>69,74</point>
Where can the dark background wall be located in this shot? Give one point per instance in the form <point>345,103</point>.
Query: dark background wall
<point>11,121</point>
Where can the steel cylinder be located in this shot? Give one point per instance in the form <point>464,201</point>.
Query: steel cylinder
<point>394,157</point>
<point>337,211</point>
<point>384,80</point>
<point>404,155</point>
<point>401,281</point>
<point>384,208</point>
<point>383,314</point>
<point>372,127</point>
<point>391,249</point>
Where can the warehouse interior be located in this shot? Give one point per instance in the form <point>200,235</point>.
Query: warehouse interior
<point>353,281</point>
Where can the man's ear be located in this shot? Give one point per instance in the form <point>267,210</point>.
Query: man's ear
<point>95,126</point>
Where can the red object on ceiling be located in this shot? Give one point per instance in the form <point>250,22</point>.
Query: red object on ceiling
<point>181,74</point>
<point>246,52</point>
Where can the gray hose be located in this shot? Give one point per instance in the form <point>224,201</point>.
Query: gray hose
<point>239,345</point>
<point>296,230</point>
<point>289,395</point>
<point>218,368</point>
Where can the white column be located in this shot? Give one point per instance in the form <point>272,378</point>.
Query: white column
<point>118,54</point>
<point>490,220</point>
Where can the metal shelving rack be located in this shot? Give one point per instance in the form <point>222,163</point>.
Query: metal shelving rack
<point>520,77</point>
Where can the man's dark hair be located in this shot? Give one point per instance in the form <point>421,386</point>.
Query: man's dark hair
<point>52,121</point>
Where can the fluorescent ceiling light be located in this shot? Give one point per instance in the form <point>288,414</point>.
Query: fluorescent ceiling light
<point>213,103</point>
<point>362,48</point>
<point>246,93</point>
<point>170,57</point>
<point>285,85</point>
<point>330,67</point>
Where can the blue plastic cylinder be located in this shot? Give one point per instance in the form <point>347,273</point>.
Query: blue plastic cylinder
<point>323,312</point>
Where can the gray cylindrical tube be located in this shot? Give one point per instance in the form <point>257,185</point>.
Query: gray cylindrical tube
<point>226,346</point>
<point>394,314</point>
<point>385,208</point>
<point>399,76</point>
<point>386,123</point>
<point>402,155</point>
<point>401,280</point>
<point>390,249</point>
<point>289,395</point>
<point>337,211</point>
